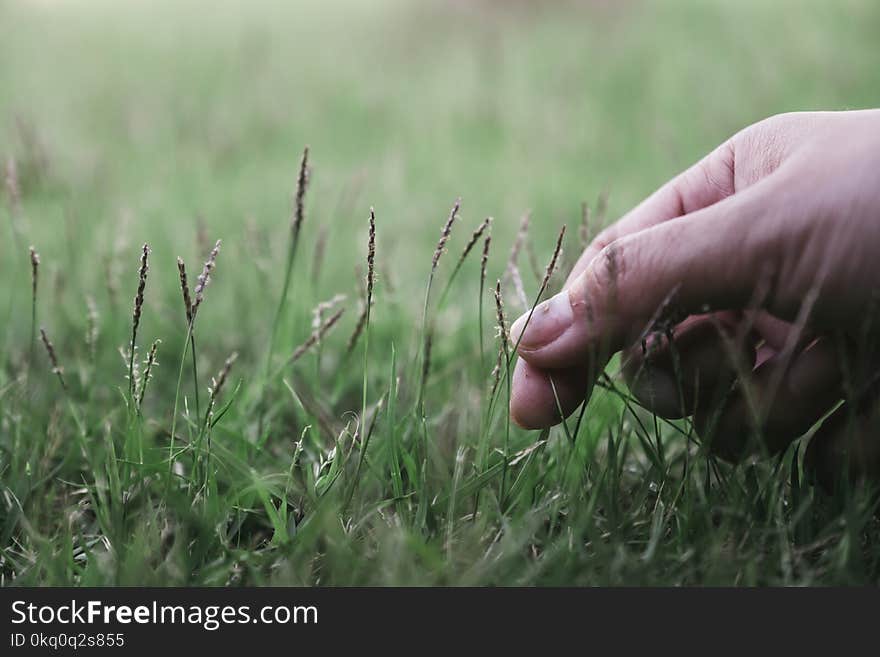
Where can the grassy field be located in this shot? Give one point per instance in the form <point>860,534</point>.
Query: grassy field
<point>180,123</point>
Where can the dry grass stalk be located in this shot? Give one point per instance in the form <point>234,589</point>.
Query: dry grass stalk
<point>204,279</point>
<point>444,234</point>
<point>302,183</point>
<point>320,249</point>
<point>512,269</point>
<point>316,336</point>
<point>519,242</point>
<point>324,307</point>
<point>53,357</point>
<point>586,231</point>
<point>149,364</point>
<point>13,189</point>
<point>518,288</point>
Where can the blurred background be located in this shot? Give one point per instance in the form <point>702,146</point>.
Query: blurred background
<point>164,120</point>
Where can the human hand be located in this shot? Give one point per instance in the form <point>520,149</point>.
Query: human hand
<point>770,249</point>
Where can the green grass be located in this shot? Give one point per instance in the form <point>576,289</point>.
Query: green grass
<point>177,124</point>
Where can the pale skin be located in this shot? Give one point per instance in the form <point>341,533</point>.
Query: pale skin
<point>769,248</point>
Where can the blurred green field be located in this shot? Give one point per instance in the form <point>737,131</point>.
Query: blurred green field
<point>179,123</point>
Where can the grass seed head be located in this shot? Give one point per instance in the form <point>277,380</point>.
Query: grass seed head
<point>218,381</point>
<point>302,182</point>
<point>477,234</point>
<point>139,296</point>
<point>204,279</point>
<point>495,376</point>
<point>371,259</point>
<point>53,357</point>
<point>551,267</point>
<point>149,364</point>
<point>444,234</point>
<point>184,289</point>
<point>499,311</point>
<point>35,270</point>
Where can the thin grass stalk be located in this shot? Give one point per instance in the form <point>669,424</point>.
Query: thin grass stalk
<point>510,354</point>
<point>483,262</point>
<point>203,280</point>
<point>371,279</point>
<point>296,223</point>
<point>35,270</point>
<point>186,344</point>
<point>499,305</point>
<point>547,274</point>
<point>188,309</point>
<point>445,232</point>
<point>396,477</point>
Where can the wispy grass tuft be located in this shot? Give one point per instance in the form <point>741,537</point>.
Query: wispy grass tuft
<point>204,280</point>
<point>371,280</point>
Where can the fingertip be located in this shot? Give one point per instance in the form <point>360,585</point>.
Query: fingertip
<point>533,403</point>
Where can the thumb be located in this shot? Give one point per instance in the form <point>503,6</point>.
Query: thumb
<point>711,259</point>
